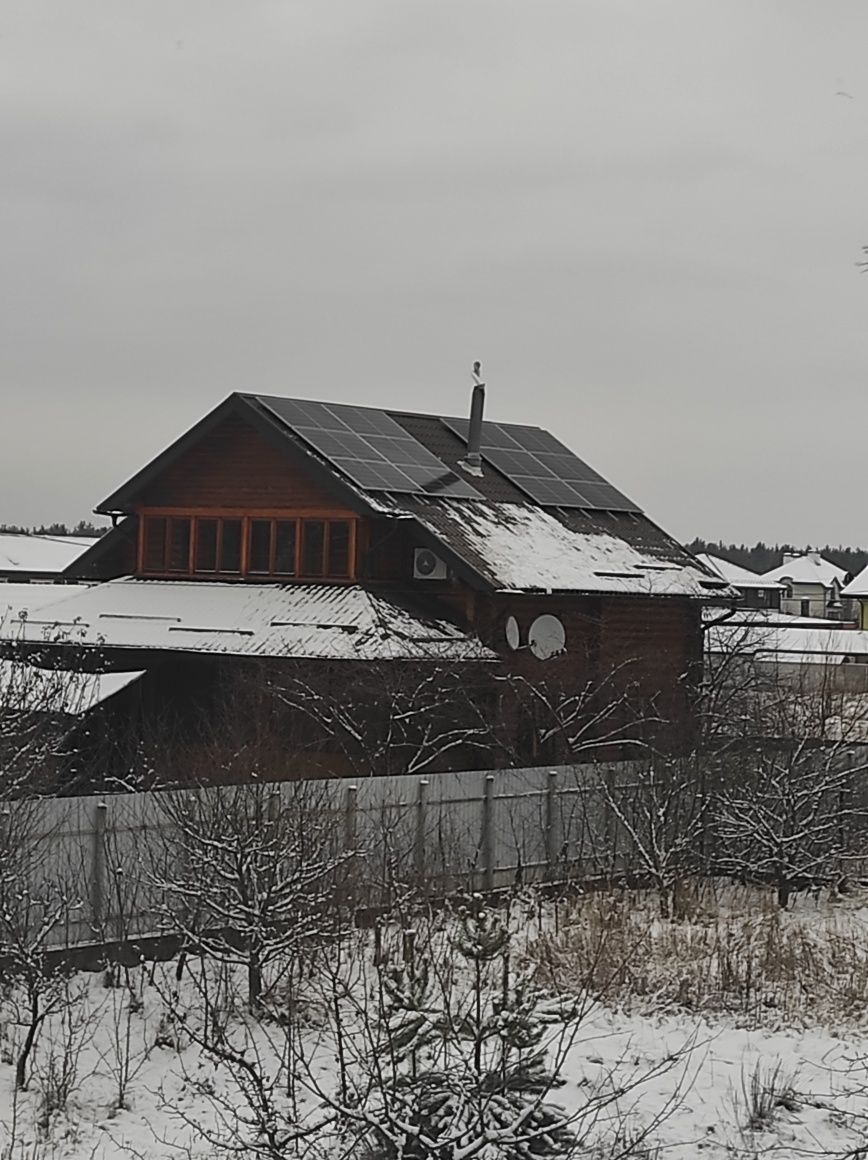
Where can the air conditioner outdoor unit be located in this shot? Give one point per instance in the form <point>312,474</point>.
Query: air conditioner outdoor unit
<point>427,565</point>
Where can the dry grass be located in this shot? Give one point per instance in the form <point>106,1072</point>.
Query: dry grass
<point>735,953</point>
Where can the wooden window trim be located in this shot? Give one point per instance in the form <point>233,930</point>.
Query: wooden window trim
<point>246,518</point>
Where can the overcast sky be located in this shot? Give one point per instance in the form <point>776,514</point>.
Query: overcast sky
<point>643,217</point>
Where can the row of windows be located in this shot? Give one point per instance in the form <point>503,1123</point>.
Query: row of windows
<point>198,545</point>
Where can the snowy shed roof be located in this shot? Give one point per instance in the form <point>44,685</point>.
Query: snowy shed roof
<point>810,568</point>
<point>40,555</point>
<point>26,688</point>
<point>804,645</point>
<point>316,621</point>
<point>735,574</point>
<point>523,547</point>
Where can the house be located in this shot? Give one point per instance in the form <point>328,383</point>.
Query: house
<point>857,590</point>
<point>30,559</point>
<point>812,586</point>
<point>335,548</point>
<point>754,591</point>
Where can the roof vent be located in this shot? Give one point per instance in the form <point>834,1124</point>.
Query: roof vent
<point>472,461</point>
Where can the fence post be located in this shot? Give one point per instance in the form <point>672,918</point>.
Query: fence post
<point>551,834</point>
<point>97,868</point>
<point>421,819</point>
<point>350,818</point>
<point>488,833</point>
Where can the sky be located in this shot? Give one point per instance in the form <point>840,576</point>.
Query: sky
<point>644,217</point>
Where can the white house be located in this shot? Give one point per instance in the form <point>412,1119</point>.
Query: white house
<point>812,586</point>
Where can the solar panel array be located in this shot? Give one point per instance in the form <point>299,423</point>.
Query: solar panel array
<point>370,448</point>
<point>544,468</point>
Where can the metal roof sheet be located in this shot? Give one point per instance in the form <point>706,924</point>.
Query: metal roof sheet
<point>330,622</point>
<point>522,547</point>
<point>27,554</point>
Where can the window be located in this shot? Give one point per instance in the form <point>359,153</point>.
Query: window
<point>252,546</point>
<point>179,546</point>
<point>230,546</point>
<point>154,554</point>
<point>313,547</point>
<point>284,548</point>
<point>338,562</point>
<point>259,555</point>
<point>206,545</point>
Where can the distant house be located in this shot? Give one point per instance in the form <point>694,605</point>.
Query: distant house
<point>754,591</point>
<point>343,540</point>
<point>30,559</point>
<point>857,589</point>
<point>812,586</point>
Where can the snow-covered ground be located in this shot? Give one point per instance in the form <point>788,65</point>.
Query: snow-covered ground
<point>697,1061</point>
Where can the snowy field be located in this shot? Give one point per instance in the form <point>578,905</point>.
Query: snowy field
<point>735,1032</point>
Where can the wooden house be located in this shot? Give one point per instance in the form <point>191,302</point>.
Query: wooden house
<point>282,536</point>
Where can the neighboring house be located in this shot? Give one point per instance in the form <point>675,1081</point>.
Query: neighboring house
<point>812,586</point>
<point>341,539</point>
<point>754,591</point>
<point>857,590</point>
<point>26,559</point>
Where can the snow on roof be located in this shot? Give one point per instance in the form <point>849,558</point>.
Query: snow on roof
<point>26,688</point>
<point>811,568</point>
<point>822,645</point>
<point>17,600</point>
<point>522,547</point>
<point>763,617</point>
<point>734,573</point>
<point>858,586</point>
<point>42,554</point>
<point>332,622</point>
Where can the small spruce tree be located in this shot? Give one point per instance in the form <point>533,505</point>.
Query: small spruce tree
<point>463,1069</point>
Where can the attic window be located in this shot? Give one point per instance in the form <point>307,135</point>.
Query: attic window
<point>251,546</point>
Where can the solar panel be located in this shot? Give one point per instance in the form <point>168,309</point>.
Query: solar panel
<point>544,468</point>
<point>370,448</point>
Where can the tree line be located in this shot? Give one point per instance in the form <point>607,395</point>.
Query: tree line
<point>761,557</point>
<point>82,528</point>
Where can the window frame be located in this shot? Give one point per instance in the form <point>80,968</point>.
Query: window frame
<point>247,520</point>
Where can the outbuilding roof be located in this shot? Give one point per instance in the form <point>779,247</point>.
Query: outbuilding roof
<point>40,555</point>
<point>315,621</point>
<point>823,645</point>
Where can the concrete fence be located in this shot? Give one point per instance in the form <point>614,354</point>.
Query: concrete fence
<point>474,830</point>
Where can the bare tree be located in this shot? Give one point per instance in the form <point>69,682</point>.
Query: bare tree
<point>249,873</point>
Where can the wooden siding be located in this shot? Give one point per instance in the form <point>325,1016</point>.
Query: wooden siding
<point>234,467</point>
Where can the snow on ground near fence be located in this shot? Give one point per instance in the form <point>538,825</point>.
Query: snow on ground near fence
<point>813,1073</point>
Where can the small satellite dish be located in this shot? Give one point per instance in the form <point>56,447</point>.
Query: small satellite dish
<point>513,636</point>
<point>547,637</point>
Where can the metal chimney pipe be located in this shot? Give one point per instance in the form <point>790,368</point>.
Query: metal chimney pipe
<point>474,435</point>
<point>472,461</point>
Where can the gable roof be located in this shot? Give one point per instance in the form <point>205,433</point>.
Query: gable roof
<point>858,586</point>
<point>810,568</point>
<point>501,539</point>
<point>735,574</point>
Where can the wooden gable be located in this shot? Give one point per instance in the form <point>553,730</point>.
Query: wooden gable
<point>233,467</point>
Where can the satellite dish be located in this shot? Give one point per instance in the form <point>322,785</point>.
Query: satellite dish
<point>513,636</point>
<point>547,637</point>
